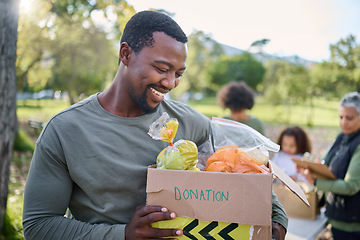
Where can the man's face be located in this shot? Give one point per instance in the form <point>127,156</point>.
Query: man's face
<point>154,71</point>
<point>349,120</point>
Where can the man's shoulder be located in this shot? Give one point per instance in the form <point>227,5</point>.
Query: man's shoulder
<point>174,103</point>
<point>180,108</point>
<point>69,112</point>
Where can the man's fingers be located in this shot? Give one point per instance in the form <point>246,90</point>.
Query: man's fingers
<point>159,233</point>
<point>158,216</point>
<point>147,209</point>
<point>150,214</point>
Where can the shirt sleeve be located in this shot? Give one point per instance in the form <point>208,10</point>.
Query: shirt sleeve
<point>348,186</point>
<point>278,212</point>
<point>46,198</point>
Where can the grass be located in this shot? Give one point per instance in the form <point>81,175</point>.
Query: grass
<point>12,228</point>
<point>324,114</point>
<point>13,218</point>
<point>40,110</point>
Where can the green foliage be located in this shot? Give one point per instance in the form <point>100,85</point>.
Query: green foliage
<point>66,45</point>
<point>341,74</point>
<point>324,80</point>
<point>202,51</point>
<point>345,52</point>
<point>23,142</point>
<point>275,81</point>
<point>33,62</point>
<point>12,227</point>
<point>82,66</point>
<point>9,231</point>
<point>242,67</point>
<point>286,82</point>
<point>260,44</point>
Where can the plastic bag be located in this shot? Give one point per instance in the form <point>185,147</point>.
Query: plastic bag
<point>227,133</point>
<point>230,159</point>
<point>183,155</point>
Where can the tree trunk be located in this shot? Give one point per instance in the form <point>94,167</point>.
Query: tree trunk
<point>9,15</point>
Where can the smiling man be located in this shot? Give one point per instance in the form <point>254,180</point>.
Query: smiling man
<point>144,77</point>
<point>92,158</point>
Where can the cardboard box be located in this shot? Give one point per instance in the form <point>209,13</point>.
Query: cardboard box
<point>293,206</point>
<point>231,198</point>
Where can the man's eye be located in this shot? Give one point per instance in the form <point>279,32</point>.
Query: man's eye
<point>161,70</point>
<point>178,75</point>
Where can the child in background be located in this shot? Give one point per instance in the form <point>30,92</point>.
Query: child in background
<point>293,142</point>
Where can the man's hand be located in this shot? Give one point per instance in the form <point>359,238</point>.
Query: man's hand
<point>278,231</point>
<point>140,228</point>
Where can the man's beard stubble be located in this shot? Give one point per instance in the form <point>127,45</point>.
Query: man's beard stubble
<point>141,102</point>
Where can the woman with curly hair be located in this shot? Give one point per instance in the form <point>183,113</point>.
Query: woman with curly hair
<point>239,97</point>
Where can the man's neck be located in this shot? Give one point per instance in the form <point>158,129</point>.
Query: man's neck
<point>111,101</point>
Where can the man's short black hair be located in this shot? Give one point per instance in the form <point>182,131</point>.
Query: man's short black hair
<point>138,32</point>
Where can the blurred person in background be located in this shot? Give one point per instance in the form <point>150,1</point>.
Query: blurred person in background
<point>239,97</point>
<point>342,195</point>
<point>294,143</point>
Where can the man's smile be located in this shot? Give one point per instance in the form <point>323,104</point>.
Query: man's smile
<point>160,94</point>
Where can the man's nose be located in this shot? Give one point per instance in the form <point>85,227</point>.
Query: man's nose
<point>170,81</point>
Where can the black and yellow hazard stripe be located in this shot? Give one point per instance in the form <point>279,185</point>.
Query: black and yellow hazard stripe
<point>195,229</point>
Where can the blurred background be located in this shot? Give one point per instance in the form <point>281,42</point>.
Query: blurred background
<point>300,57</point>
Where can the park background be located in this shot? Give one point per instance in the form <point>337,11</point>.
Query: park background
<point>67,50</point>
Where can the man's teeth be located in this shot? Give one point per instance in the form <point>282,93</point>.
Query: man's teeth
<point>160,94</point>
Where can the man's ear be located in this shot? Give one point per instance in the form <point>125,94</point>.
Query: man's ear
<point>124,53</point>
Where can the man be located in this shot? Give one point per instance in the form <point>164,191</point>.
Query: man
<point>92,158</point>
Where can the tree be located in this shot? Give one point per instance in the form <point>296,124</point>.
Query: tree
<point>342,70</point>
<point>274,86</point>
<point>33,63</point>
<point>203,50</point>
<point>70,45</point>
<point>345,57</point>
<point>115,12</point>
<point>260,44</point>
<point>84,59</point>
<point>9,14</point>
<point>324,80</point>
<point>84,52</point>
<point>242,67</point>
<point>287,84</point>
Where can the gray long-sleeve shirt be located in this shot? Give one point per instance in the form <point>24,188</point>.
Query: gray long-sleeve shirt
<point>95,163</point>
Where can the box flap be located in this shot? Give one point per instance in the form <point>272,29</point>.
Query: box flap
<point>318,169</point>
<point>291,184</point>
<point>212,196</point>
